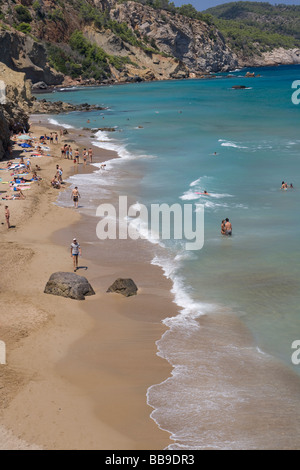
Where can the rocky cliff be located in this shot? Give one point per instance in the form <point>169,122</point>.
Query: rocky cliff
<point>259,33</point>
<point>4,135</point>
<point>278,56</point>
<point>16,101</point>
<point>22,53</point>
<point>109,41</point>
<point>134,39</point>
<point>199,46</point>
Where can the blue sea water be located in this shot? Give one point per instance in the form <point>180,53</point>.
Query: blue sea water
<point>241,292</point>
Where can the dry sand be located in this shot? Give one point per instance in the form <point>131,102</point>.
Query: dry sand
<point>77,372</point>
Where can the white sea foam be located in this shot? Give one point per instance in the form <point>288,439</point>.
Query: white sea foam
<point>194,183</point>
<point>104,141</point>
<point>191,195</point>
<point>190,310</point>
<point>226,143</point>
<point>197,192</point>
<point>60,124</point>
<point>72,88</point>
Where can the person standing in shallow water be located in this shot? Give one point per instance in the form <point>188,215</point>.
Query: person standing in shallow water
<point>223,231</point>
<point>75,252</point>
<point>228,227</point>
<point>75,196</point>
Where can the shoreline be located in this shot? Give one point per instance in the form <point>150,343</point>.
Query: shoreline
<point>207,76</point>
<point>36,405</point>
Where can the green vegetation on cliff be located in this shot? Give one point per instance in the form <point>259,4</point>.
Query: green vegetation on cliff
<point>252,27</point>
<point>102,20</point>
<point>81,58</point>
<point>248,27</point>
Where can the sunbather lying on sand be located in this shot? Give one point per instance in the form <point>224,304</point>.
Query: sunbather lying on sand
<point>9,197</point>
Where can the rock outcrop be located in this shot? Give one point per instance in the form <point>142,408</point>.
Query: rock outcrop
<point>57,107</point>
<point>144,66</point>
<point>125,287</point>
<point>194,43</point>
<point>21,53</point>
<point>140,42</point>
<point>68,285</point>
<point>278,56</point>
<point>15,103</point>
<point>4,136</point>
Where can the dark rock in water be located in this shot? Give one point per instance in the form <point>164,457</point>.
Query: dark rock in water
<point>58,107</point>
<point>123,286</point>
<point>239,87</point>
<point>39,86</point>
<point>68,285</point>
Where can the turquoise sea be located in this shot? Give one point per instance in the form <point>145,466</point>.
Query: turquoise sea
<point>238,297</point>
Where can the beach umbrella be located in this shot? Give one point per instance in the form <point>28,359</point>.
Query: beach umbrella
<point>24,137</point>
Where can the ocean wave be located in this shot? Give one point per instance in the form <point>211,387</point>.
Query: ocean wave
<point>198,191</point>
<point>190,310</point>
<point>72,88</point>
<point>105,142</point>
<point>200,180</point>
<point>56,123</point>
<point>226,143</point>
<point>139,227</point>
<point>192,195</point>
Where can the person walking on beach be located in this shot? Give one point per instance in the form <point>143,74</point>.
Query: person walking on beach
<point>90,155</point>
<point>76,156</point>
<point>84,156</point>
<point>75,196</point>
<point>59,173</point>
<point>7,216</point>
<point>75,252</point>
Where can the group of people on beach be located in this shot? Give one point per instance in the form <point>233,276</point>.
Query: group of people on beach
<point>57,180</point>
<point>67,153</point>
<point>53,137</point>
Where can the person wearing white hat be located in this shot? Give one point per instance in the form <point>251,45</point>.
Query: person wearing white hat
<point>75,252</point>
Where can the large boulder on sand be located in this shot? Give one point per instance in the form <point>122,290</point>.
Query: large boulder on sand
<point>123,286</point>
<point>69,285</point>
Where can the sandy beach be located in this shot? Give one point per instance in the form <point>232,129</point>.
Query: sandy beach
<point>77,372</point>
